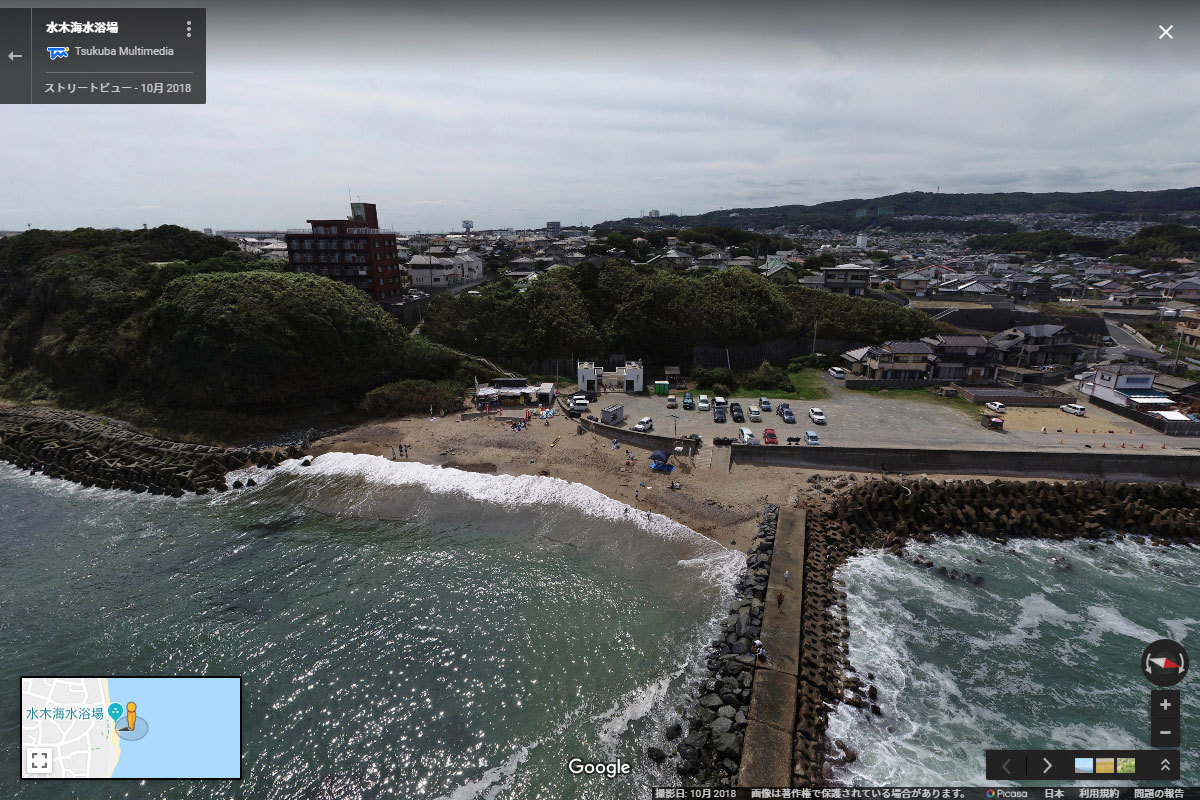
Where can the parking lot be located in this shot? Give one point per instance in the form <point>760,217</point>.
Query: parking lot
<point>861,418</point>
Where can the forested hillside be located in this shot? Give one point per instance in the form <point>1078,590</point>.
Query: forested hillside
<point>655,314</point>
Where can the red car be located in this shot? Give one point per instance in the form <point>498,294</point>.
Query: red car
<point>769,436</point>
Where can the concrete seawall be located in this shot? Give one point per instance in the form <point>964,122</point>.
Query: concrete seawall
<point>771,722</point>
<point>1112,465</point>
<point>650,441</point>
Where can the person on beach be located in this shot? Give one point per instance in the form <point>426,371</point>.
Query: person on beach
<point>393,454</point>
<point>787,577</point>
<point>637,494</point>
<point>779,599</point>
<point>761,653</point>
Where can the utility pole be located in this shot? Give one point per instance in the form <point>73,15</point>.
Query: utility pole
<point>814,344</point>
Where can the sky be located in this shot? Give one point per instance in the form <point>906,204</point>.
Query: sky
<point>512,114</point>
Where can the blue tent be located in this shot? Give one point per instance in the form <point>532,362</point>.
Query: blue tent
<point>660,455</point>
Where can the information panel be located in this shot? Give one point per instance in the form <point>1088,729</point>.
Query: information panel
<point>102,55</point>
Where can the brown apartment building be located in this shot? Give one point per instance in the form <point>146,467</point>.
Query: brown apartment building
<point>352,250</point>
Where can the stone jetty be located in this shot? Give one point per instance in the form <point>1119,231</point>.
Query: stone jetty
<point>888,514</point>
<point>710,752</point>
<point>93,451</point>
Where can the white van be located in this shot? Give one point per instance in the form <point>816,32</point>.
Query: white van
<point>720,402</point>
<point>703,406</point>
<point>745,434</point>
<point>755,414</point>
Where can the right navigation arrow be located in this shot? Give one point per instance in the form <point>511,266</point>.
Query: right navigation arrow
<point>1049,765</point>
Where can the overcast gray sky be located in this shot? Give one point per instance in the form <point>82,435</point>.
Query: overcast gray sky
<point>512,114</point>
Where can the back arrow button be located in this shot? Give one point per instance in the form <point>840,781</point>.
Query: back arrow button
<point>13,56</point>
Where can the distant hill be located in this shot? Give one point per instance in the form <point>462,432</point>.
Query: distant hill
<point>856,214</point>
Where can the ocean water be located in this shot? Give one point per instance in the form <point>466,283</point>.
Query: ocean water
<point>401,630</point>
<point>1035,658</point>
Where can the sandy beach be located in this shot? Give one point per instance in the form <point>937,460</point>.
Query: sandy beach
<point>716,503</point>
<point>721,503</point>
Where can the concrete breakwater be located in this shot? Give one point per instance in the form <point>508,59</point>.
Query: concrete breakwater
<point>710,753</point>
<point>888,514</point>
<point>95,452</point>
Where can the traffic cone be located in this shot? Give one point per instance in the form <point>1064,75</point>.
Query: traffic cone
<point>1143,447</point>
<point>1164,445</point>
<point>1131,431</point>
<point>1103,445</point>
<point>1077,430</point>
<point>1122,445</point>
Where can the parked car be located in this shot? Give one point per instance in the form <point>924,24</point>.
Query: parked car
<point>735,411</point>
<point>579,402</point>
<point>764,403</point>
<point>704,402</point>
<point>817,416</point>
<point>810,437</point>
<point>745,434</point>
<point>755,414</point>
<point>837,372</point>
<point>787,416</point>
<point>779,409</point>
<point>672,402</point>
<point>644,425</point>
<point>769,436</point>
<point>718,415</point>
<point>720,402</point>
<point>1074,408</point>
<point>688,402</point>
<point>995,408</point>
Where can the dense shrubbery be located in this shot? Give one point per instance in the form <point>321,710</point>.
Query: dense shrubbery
<point>258,338</point>
<point>412,397</point>
<point>655,314</point>
<point>87,319</point>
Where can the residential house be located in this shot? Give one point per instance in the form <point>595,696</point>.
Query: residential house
<point>851,279</point>
<point>1184,289</point>
<point>1036,346</point>
<point>1127,385</point>
<point>898,360</point>
<point>779,272</point>
<point>1027,288</point>
<point>1188,326</point>
<point>434,272</point>
<point>965,357</point>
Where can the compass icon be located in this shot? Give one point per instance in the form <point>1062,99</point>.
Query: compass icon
<point>1165,662</point>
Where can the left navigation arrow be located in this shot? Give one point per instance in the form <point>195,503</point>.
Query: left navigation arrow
<point>13,56</point>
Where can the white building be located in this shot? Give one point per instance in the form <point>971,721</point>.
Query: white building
<point>1127,385</point>
<point>593,378</point>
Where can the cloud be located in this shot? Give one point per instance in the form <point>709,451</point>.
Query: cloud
<point>515,116</point>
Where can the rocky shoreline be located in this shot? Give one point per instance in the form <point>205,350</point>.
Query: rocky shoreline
<point>887,514</point>
<point>92,451</point>
<point>710,753</point>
